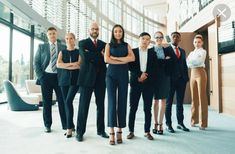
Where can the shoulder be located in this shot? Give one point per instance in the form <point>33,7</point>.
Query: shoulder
<point>181,49</point>
<point>135,50</point>
<point>82,42</point>
<point>102,42</point>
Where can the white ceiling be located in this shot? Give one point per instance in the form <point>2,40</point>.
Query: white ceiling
<point>156,6</point>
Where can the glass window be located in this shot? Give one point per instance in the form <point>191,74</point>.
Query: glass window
<point>20,58</point>
<point>4,12</point>
<point>4,58</point>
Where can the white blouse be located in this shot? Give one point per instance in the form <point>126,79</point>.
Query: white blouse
<point>143,55</point>
<point>196,58</point>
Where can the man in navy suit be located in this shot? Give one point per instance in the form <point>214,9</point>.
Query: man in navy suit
<point>91,78</point>
<point>46,72</point>
<point>143,71</point>
<point>178,72</point>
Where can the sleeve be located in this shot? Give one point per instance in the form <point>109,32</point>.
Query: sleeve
<point>37,62</point>
<point>89,56</point>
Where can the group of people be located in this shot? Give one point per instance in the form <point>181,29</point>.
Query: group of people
<point>155,73</point>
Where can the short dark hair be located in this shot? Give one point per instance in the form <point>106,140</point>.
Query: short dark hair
<point>144,34</point>
<point>177,33</point>
<point>51,28</point>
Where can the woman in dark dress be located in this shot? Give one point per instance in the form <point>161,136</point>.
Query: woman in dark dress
<point>162,84</point>
<point>117,54</point>
<point>68,62</point>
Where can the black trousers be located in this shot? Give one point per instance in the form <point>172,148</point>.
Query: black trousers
<point>177,86</point>
<point>69,93</point>
<point>84,103</point>
<point>49,83</point>
<point>147,94</point>
<point>117,89</point>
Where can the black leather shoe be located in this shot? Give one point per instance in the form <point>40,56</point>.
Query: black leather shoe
<point>182,126</point>
<point>103,134</point>
<point>79,138</point>
<point>47,130</point>
<point>170,129</point>
<point>130,135</point>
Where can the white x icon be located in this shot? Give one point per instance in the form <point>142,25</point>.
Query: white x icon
<point>222,12</point>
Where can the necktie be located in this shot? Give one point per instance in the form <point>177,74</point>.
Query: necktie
<point>177,52</point>
<point>95,43</point>
<point>53,57</point>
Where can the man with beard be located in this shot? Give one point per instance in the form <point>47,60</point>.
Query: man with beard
<point>91,78</point>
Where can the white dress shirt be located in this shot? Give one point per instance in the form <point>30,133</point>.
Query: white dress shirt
<point>143,56</point>
<point>196,58</point>
<point>49,68</point>
<point>174,49</point>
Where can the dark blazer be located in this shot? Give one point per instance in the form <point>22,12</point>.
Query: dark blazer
<point>177,68</point>
<point>92,62</point>
<point>135,71</point>
<point>42,59</point>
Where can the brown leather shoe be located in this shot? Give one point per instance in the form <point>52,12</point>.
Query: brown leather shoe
<point>111,139</point>
<point>130,135</point>
<point>149,136</point>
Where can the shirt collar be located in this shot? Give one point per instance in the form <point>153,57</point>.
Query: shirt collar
<point>174,46</point>
<point>143,50</point>
<point>52,43</point>
<point>92,39</point>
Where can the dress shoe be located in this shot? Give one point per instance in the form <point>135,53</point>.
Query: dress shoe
<point>202,128</point>
<point>79,138</point>
<point>182,126</point>
<point>130,135</point>
<point>103,134</point>
<point>68,135</point>
<point>155,129</point>
<point>47,130</point>
<point>149,136</point>
<point>170,129</point>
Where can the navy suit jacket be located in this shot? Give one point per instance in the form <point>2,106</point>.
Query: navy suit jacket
<point>42,59</point>
<point>177,68</point>
<point>135,71</point>
<point>92,62</point>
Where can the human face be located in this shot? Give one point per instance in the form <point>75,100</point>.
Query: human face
<point>52,35</point>
<point>118,33</point>
<point>159,38</point>
<point>144,41</point>
<point>197,42</point>
<point>70,40</point>
<point>175,38</point>
<point>94,30</point>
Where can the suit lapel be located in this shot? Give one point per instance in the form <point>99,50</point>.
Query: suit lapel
<point>138,58</point>
<point>148,60</point>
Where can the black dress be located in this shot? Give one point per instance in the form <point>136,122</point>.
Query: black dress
<point>162,84</point>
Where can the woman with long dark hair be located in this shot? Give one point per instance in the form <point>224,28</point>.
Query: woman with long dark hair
<point>117,54</point>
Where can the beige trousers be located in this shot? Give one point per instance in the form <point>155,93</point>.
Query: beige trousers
<point>199,108</point>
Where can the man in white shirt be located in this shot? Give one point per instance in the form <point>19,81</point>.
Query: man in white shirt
<point>46,72</point>
<point>143,71</point>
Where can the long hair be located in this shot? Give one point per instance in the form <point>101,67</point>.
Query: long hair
<point>113,41</point>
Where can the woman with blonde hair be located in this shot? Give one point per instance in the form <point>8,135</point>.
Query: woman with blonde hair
<point>69,65</point>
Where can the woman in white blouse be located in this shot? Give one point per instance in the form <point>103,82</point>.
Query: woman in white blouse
<point>198,81</point>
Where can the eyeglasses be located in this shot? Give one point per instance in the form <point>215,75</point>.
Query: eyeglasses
<point>158,37</point>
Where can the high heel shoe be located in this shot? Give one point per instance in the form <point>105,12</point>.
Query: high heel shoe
<point>68,134</point>
<point>160,129</point>
<point>111,142</point>
<point>155,128</point>
<point>119,137</point>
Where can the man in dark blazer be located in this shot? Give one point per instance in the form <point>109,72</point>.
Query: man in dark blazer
<point>142,76</point>
<point>91,78</point>
<point>178,72</point>
<point>46,72</point>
